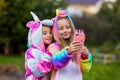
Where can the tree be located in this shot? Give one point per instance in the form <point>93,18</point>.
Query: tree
<point>14,15</point>
<point>102,27</point>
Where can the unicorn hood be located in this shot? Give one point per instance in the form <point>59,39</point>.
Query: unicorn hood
<point>35,32</point>
<point>60,13</point>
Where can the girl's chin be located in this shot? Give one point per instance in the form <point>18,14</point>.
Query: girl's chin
<point>65,37</point>
<point>48,43</point>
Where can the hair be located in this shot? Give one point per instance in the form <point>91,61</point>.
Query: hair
<point>65,42</point>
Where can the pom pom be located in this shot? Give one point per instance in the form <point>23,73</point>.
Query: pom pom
<point>61,13</point>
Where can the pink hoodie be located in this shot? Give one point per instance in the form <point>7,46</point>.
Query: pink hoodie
<point>38,60</point>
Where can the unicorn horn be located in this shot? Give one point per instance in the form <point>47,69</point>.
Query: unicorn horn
<point>57,12</point>
<point>34,16</point>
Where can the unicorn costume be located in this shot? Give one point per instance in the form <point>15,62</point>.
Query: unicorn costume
<point>70,71</point>
<point>38,60</point>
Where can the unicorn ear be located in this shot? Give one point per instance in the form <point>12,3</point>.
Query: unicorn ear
<point>34,16</point>
<point>29,24</point>
<point>33,24</point>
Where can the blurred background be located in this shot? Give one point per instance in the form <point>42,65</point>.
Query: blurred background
<point>99,18</point>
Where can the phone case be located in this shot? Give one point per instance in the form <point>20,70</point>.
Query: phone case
<point>79,36</point>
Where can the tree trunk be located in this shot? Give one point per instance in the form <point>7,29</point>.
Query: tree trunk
<point>7,48</point>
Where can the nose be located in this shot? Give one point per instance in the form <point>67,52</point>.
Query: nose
<point>49,34</point>
<point>65,30</point>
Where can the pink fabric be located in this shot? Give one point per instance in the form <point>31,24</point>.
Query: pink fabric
<point>37,59</point>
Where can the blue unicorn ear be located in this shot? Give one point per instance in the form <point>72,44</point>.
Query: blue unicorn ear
<point>35,16</point>
<point>47,22</point>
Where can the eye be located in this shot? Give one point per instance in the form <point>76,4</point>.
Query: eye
<point>67,26</point>
<point>50,32</point>
<point>44,33</point>
<point>60,28</point>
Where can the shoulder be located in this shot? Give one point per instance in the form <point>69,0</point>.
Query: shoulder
<point>54,47</point>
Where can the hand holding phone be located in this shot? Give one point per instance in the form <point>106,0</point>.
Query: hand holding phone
<point>79,36</point>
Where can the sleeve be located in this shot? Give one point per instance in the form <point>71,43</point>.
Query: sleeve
<point>38,63</point>
<point>85,64</point>
<point>59,58</point>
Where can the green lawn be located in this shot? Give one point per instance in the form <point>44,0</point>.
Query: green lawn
<point>101,71</point>
<point>98,71</point>
<point>13,60</point>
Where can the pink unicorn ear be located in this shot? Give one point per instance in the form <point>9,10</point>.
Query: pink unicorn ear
<point>33,24</point>
<point>29,24</point>
<point>82,36</point>
<point>76,32</point>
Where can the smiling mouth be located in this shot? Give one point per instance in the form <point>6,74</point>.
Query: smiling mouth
<point>65,34</point>
<point>48,39</point>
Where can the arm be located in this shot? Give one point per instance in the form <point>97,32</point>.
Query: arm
<point>85,64</point>
<point>59,58</point>
<point>38,63</point>
<point>85,56</point>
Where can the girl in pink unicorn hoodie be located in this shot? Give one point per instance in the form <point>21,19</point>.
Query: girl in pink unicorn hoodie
<point>38,60</point>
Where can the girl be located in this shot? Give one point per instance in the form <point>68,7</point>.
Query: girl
<point>38,61</point>
<point>37,57</point>
<point>63,34</point>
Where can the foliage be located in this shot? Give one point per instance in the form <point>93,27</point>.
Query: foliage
<point>14,15</point>
<point>105,48</point>
<point>97,31</point>
<point>111,16</point>
<point>103,26</point>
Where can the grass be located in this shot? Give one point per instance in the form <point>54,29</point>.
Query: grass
<point>98,71</point>
<point>103,72</point>
<point>13,60</point>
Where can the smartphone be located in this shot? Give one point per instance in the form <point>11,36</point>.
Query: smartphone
<point>79,36</point>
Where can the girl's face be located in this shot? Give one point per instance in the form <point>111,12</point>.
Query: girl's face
<point>47,35</point>
<point>64,28</point>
